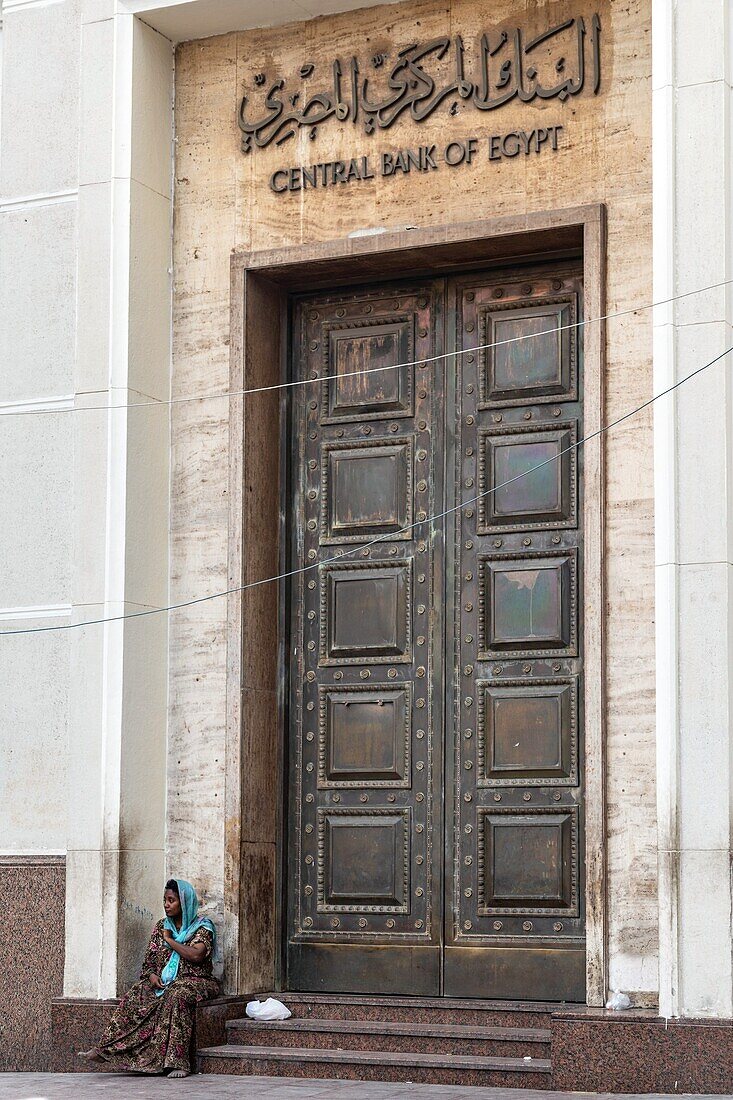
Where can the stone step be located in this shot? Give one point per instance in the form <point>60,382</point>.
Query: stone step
<point>374,1065</point>
<point>423,1010</point>
<point>386,1036</point>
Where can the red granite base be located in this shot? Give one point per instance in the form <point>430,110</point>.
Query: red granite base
<point>77,1023</point>
<point>417,1010</point>
<point>394,1038</point>
<point>33,965</point>
<point>636,1053</point>
<point>591,1050</point>
<point>368,1071</point>
<point>212,1017</point>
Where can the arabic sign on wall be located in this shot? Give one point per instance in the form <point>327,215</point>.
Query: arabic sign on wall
<point>508,65</point>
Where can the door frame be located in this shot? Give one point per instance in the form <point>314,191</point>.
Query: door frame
<point>256,697</point>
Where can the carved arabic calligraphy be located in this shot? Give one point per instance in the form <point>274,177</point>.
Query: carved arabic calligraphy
<point>507,66</point>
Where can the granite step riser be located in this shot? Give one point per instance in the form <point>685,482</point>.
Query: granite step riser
<point>471,1017</point>
<point>407,1044</point>
<point>273,1067</point>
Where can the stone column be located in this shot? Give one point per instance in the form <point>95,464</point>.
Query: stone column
<point>694,504</point>
<point>117,744</point>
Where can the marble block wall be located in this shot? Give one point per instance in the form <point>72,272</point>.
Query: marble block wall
<point>32,892</point>
<point>639,1052</point>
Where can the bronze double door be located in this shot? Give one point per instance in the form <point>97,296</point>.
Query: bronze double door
<point>435,785</point>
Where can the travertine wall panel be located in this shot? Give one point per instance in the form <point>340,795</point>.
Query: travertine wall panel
<point>204,237</point>
<point>223,201</point>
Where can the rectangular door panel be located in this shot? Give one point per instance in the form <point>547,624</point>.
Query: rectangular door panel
<point>365,736</point>
<point>366,861</point>
<point>531,348</point>
<point>366,613</point>
<point>527,605</point>
<point>366,698</point>
<point>527,479</point>
<point>527,733</point>
<point>362,377</point>
<point>525,862</point>
<point>514,895</point>
<point>515,972</point>
<point>366,491</point>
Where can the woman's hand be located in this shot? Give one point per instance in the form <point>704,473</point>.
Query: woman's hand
<point>194,953</point>
<point>155,981</point>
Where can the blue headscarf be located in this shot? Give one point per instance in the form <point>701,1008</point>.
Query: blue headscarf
<point>190,923</point>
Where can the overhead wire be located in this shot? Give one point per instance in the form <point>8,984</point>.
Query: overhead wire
<point>166,402</point>
<point>390,536</point>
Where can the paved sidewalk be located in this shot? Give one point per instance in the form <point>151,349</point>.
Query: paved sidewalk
<point>79,1086</point>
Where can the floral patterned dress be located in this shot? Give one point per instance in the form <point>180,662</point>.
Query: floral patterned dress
<point>150,1034</point>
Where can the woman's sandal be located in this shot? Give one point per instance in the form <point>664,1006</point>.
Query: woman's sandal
<point>178,1073</point>
<point>89,1055</point>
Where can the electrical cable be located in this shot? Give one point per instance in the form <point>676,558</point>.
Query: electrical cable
<point>381,538</point>
<point>373,370</point>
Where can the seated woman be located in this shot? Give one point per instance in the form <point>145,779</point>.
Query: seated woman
<point>150,1031</point>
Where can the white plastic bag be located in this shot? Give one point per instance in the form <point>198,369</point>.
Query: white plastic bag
<point>271,1009</point>
<point>618,1001</point>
